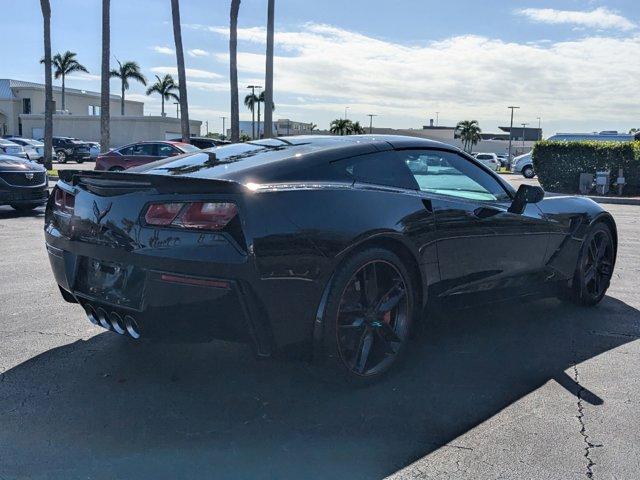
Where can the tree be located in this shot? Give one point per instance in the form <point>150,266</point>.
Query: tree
<point>313,127</point>
<point>250,102</point>
<point>634,130</point>
<point>357,129</point>
<point>165,87</point>
<point>127,71</point>
<point>48,89</point>
<point>340,126</point>
<point>182,77</point>
<point>268,96</point>
<point>105,75</point>
<point>64,65</point>
<point>233,70</point>
<point>469,132</point>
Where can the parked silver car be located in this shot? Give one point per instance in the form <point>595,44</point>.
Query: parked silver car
<point>9,148</point>
<point>33,148</point>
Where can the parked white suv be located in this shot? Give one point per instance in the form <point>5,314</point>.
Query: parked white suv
<point>491,160</point>
<point>524,165</point>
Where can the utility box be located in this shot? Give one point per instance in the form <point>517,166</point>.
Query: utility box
<point>586,183</point>
<point>602,182</point>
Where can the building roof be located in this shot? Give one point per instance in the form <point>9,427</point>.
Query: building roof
<point>7,84</point>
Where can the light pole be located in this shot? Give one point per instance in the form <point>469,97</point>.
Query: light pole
<point>177,104</point>
<point>345,112</point>
<point>511,132</point>
<point>437,119</point>
<point>371,115</point>
<point>539,128</point>
<point>524,125</point>
<point>224,131</point>
<point>253,111</point>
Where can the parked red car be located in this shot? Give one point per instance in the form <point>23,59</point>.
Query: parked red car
<point>141,153</point>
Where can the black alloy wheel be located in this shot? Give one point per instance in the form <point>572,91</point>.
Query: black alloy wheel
<point>595,267</point>
<point>369,315</point>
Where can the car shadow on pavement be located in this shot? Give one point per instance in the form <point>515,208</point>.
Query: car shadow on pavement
<point>106,408</point>
<point>8,212</point>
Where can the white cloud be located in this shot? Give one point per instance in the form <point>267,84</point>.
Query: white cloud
<point>163,50</point>
<point>197,52</point>
<point>590,79</point>
<point>600,18</point>
<point>191,72</point>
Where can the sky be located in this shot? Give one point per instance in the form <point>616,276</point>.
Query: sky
<point>574,64</point>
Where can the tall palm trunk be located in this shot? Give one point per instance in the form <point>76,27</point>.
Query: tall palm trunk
<point>182,77</point>
<point>162,114</point>
<point>233,70</point>
<point>122,100</point>
<point>105,134</point>
<point>48,88</point>
<point>63,91</point>
<point>259,102</point>
<point>268,92</point>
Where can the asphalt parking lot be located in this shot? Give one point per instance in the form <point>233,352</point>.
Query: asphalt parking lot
<point>542,390</point>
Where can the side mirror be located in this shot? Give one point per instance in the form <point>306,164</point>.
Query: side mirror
<point>526,194</point>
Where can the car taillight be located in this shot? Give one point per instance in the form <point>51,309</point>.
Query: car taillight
<point>196,215</point>
<point>64,201</point>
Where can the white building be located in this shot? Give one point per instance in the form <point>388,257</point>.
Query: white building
<point>22,113</point>
<point>283,127</point>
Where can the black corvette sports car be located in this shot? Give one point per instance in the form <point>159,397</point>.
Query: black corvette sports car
<point>334,243</point>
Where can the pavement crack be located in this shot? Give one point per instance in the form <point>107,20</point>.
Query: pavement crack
<point>583,428</point>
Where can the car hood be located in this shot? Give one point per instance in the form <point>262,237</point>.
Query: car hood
<point>14,164</point>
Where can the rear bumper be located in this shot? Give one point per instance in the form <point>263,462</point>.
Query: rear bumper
<point>167,305</point>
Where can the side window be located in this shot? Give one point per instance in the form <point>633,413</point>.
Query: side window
<point>384,168</point>
<point>448,173</point>
<point>165,150</point>
<point>143,149</point>
<point>126,151</point>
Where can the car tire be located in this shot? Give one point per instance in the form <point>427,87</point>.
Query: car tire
<point>79,160</point>
<point>24,208</point>
<point>594,269</point>
<point>527,172</point>
<point>61,157</point>
<point>362,338</point>
<point>116,169</point>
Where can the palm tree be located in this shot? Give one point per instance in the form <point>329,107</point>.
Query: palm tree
<point>182,77</point>
<point>340,126</point>
<point>250,102</point>
<point>469,132</point>
<point>64,65</point>
<point>48,89</point>
<point>357,129</point>
<point>268,97</point>
<point>313,127</point>
<point>105,100</point>
<point>127,71</point>
<point>166,87</point>
<point>233,70</point>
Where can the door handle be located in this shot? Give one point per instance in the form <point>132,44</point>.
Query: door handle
<point>484,212</point>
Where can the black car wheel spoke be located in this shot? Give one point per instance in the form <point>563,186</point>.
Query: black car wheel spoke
<point>372,318</point>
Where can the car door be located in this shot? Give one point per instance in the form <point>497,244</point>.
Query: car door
<point>141,154</point>
<point>481,246</point>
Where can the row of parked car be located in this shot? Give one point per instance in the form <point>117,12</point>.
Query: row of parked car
<point>64,149</point>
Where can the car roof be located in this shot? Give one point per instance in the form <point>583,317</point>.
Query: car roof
<point>4,141</point>
<point>260,160</point>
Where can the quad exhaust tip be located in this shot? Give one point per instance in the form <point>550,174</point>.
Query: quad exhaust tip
<point>113,321</point>
<point>132,326</point>
<point>117,323</point>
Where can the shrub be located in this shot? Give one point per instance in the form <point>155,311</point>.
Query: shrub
<point>559,164</point>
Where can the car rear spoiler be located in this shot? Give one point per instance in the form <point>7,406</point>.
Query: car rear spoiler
<point>111,182</point>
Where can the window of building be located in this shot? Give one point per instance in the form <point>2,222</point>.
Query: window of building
<point>26,106</point>
<point>94,110</point>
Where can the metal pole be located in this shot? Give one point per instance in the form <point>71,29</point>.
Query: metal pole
<point>345,112</point>
<point>224,131</point>
<point>523,133</point>
<point>511,132</point>
<point>539,128</point>
<point>177,109</point>
<point>371,115</point>
<point>437,119</point>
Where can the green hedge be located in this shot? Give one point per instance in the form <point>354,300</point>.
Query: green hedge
<point>559,164</point>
